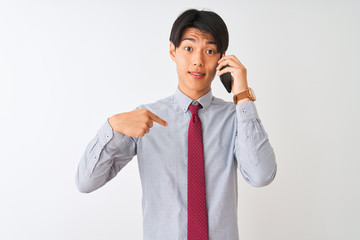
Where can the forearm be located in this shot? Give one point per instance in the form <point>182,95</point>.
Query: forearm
<point>101,162</point>
<point>253,151</point>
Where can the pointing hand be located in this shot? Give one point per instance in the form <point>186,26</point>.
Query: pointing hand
<point>135,123</point>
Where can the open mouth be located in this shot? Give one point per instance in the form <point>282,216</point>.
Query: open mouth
<point>197,75</point>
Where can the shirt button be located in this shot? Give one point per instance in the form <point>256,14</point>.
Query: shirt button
<point>107,136</point>
<point>95,157</point>
<point>247,137</point>
<point>243,111</point>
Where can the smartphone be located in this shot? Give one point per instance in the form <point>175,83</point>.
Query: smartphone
<point>226,79</point>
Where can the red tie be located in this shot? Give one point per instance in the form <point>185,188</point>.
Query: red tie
<point>197,212</point>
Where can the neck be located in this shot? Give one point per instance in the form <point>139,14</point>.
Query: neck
<point>194,95</point>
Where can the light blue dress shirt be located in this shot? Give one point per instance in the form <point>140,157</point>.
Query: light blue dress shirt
<point>234,138</point>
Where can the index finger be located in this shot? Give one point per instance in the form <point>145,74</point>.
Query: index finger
<point>157,119</point>
<point>221,58</point>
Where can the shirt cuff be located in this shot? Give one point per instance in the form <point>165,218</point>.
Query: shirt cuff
<point>246,111</point>
<point>107,136</point>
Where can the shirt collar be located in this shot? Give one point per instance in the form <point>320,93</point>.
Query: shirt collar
<point>184,101</point>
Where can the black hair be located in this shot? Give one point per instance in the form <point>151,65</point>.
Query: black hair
<point>206,21</point>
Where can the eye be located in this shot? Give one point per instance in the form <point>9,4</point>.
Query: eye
<point>188,48</point>
<point>210,51</point>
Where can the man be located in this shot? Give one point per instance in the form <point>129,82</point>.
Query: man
<point>189,145</point>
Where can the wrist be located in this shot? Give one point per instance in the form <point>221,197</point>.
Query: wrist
<point>239,87</point>
<point>115,123</point>
<point>244,96</point>
<point>111,122</point>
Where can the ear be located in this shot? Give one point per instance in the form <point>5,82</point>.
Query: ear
<point>172,51</point>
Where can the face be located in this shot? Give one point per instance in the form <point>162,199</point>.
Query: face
<point>196,60</point>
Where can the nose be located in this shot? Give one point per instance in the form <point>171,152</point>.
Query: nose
<point>198,59</point>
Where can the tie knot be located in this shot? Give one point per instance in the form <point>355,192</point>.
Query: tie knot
<point>194,108</point>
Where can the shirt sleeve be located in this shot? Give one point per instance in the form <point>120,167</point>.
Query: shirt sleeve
<point>254,154</point>
<point>106,154</point>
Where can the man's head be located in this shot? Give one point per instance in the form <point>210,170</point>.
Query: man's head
<point>197,41</point>
<point>205,21</point>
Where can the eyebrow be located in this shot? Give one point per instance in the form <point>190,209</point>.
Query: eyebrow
<point>193,40</point>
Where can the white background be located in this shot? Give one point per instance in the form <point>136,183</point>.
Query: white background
<point>66,66</point>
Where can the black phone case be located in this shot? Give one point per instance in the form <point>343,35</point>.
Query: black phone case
<point>226,79</point>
